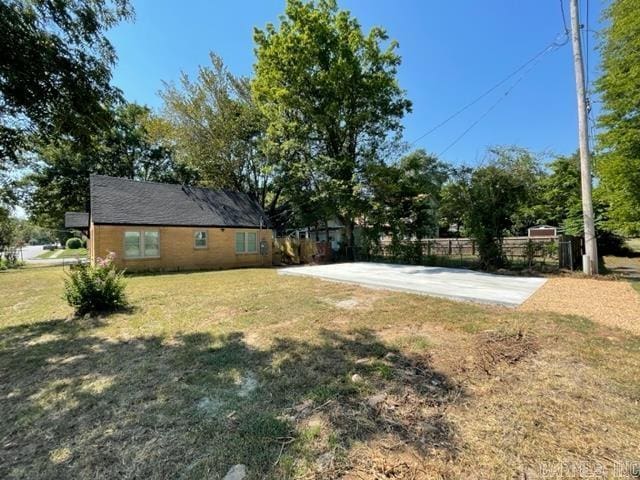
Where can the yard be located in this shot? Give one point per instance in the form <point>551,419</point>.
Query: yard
<point>63,253</point>
<point>299,378</point>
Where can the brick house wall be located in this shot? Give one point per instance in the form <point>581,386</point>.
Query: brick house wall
<point>177,248</point>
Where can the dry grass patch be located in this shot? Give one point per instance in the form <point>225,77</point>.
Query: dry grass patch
<point>213,369</point>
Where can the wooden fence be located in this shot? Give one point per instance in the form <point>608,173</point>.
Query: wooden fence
<point>560,251</point>
<point>556,251</point>
<point>290,250</point>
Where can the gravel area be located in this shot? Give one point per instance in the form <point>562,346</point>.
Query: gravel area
<point>613,303</point>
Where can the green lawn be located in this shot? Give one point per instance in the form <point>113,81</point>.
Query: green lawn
<point>66,253</point>
<point>297,378</point>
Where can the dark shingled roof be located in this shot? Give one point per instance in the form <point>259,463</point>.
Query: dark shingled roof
<point>129,202</point>
<point>76,220</point>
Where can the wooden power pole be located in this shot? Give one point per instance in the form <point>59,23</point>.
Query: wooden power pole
<point>590,258</point>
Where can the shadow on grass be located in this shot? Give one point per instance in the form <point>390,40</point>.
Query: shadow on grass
<point>75,404</point>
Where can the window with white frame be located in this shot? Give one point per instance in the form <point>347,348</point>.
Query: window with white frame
<point>200,239</point>
<point>246,242</point>
<point>141,244</point>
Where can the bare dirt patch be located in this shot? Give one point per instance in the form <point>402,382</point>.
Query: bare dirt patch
<point>613,303</point>
<point>495,348</point>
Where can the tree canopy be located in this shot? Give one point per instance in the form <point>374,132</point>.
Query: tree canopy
<point>331,100</point>
<point>405,196</point>
<point>217,130</point>
<point>59,177</point>
<point>618,163</point>
<point>55,77</point>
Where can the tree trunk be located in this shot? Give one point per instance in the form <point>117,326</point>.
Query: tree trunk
<point>348,227</point>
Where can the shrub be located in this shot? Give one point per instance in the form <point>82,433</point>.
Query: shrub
<point>9,259</point>
<point>611,244</point>
<point>74,243</point>
<point>95,288</point>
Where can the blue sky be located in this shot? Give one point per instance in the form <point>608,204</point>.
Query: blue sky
<point>452,51</point>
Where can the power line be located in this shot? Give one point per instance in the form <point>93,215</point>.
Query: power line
<point>553,45</point>
<point>492,107</point>
<point>586,35</point>
<point>564,19</point>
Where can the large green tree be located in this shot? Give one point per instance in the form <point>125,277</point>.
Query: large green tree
<point>519,164</point>
<point>618,165</point>
<point>488,198</point>
<point>55,70</point>
<point>59,178</point>
<point>523,164</point>
<point>217,130</point>
<point>405,197</point>
<point>332,103</point>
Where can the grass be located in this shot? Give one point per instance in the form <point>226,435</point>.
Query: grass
<point>634,244</point>
<point>207,370</point>
<point>66,253</point>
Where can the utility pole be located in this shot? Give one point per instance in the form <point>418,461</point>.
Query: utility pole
<point>590,258</point>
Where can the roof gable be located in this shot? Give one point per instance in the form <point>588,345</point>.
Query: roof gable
<point>76,220</point>
<point>123,201</point>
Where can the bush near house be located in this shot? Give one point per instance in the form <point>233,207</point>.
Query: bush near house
<point>95,288</point>
<point>74,243</point>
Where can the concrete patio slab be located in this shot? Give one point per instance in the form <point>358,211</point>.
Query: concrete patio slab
<point>453,283</point>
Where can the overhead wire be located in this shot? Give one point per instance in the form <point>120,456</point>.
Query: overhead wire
<point>586,35</point>
<point>587,53</point>
<point>495,104</point>
<point>556,43</point>
<point>564,18</point>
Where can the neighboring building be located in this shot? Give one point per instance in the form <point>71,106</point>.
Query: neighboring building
<point>159,226</point>
<point>542,231</point>
<point>334,228</point>
<point>335,231</point>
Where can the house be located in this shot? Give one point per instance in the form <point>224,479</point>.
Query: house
<point>159,226</point>
<point>333,232</point>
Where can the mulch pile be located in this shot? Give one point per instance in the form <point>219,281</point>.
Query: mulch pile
<point>613,303</point>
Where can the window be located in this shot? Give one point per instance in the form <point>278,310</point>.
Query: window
<point>151,244</point>
<point>246,242</point>
<point>142,244</point>
<point>251,243</point>
<point>200,239</point>
<point>131,244</point>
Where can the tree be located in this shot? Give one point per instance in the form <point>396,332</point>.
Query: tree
<point>30,234</point>
<point>59,180</point>
<point>560,192</point>
<point>55,70</point>
<point>405,198</point>
<point>525,165</point>
<point>618,164</point>
<point>562,204</point>
<point>217,130</point>
<point>453,200</point>
<point>332,103</point>
<point>488,198</point>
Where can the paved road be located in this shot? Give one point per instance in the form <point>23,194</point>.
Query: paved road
<point>457,284</point>
<point>31,251</point>
<point>29,254</point>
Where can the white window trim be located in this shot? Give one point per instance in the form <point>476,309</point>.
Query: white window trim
<point>141,233</point>
<point>245,251</point>
<point>206,239</point>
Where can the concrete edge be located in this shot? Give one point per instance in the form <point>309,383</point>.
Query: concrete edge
<point>375,286</point>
